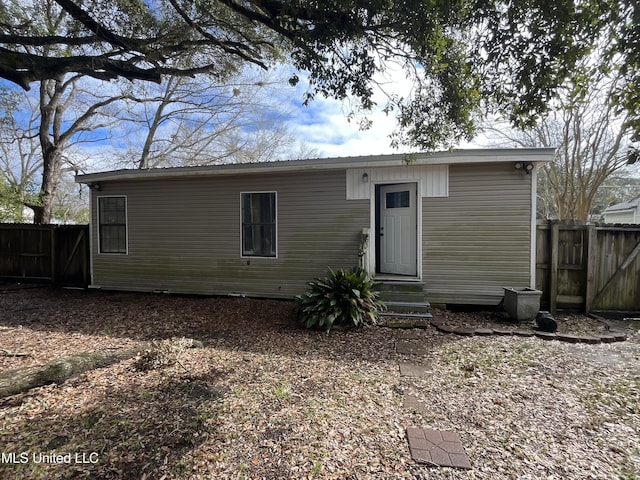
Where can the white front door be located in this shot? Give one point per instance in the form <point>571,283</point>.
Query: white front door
<point>398,229</point>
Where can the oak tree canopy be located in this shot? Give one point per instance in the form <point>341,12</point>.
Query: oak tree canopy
<point>464,55</point>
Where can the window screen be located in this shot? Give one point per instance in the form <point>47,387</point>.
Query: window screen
<point>112,215</point>
<point>259,224</point>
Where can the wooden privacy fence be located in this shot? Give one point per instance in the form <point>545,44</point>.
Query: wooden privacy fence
<point>589,267</point>
<point>46,253</point>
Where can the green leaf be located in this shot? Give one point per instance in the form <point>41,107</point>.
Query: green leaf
<point>343,297</point>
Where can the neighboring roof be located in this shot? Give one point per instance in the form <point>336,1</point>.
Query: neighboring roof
<point>436,158</point>
<point>629,205</point>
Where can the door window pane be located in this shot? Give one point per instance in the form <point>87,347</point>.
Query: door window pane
<point>397,199</point>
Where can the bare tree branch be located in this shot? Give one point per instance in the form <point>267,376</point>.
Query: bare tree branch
<point>591,139</point>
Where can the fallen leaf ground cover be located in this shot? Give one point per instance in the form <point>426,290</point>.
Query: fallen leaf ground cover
<point>266,399</point>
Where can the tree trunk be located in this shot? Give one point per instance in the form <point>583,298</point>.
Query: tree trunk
<point>50,179</point>
<point>19,380</point>
<point>49,136</point>
<point>57,371</point>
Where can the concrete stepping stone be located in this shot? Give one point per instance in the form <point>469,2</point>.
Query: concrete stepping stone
<point>436,447</point>
<point>465,331</point>
<point>589,339</point>
<point>444,328</point>
<point>405,347</point>
<point>546,335</point>
<point>523,333</point>
<point>608,338</point>
<point>412,370</point>
<point>484,331</point>
<point>399,325</point>
<point>502,331</point>
<point>567,337</point>
<point>620,336</point>
<point>410,335</point>
<point>411,402</point>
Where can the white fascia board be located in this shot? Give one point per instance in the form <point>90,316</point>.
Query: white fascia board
<point>622,210</point>
<point>457,157</point>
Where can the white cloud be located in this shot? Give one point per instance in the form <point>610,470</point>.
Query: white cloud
<point>324,126</point>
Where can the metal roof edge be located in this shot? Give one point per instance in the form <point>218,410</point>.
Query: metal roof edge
<point>460,156</point>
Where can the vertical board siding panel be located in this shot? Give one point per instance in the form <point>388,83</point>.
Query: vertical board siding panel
<point>184,234</point>
<point>477,241</point>
<point>437,184</point>
<point>434,179</point>
<point>432,186</point>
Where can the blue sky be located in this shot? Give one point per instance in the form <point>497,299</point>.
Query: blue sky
<point>324,126</point>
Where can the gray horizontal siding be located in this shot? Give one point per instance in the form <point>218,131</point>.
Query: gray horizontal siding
<point>626,216</point>
<point>184,234</point>
<point>477,240</point>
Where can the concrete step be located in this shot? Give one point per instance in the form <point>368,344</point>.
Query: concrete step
<point>401,291</point>
<point>405,319</point>
<point>400,286</point>
<point>408,315</point>
<point>408,307</point>
<point>407,297</point>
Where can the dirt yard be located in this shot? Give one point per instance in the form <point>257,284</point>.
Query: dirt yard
<point>265,399</point>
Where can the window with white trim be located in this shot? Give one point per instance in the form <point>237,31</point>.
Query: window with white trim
<point>258,224</point>
<point>112,224</point>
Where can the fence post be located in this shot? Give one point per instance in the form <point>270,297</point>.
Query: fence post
<point>553,267</point>
<point>52,229</point>
<point>592,252</point>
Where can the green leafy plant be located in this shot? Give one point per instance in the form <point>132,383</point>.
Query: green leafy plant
<point>344,297</point>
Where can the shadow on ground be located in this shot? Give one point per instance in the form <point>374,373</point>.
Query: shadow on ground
<point>125,433</point>
<point>252,325</point>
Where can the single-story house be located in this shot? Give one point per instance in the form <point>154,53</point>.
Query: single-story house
<point>625,212</point>
<point>460,223</point>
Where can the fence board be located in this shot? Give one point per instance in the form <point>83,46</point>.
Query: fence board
<point>592,257</point>
<point>590,267</point>
<point>45,253</point>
